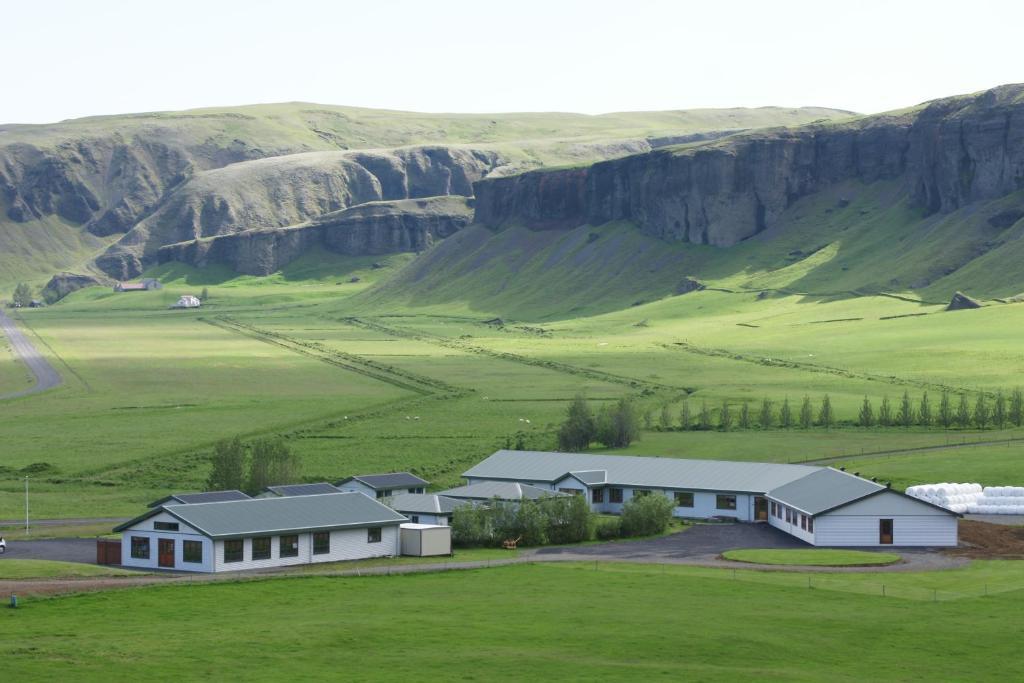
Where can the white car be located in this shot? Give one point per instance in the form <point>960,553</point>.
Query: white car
<point>3,545</point>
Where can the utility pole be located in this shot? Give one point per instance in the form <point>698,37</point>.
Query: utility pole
<point>26,506</point>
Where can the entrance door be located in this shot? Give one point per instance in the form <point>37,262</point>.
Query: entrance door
<point>760,509</point>
<point>885,531</point>
<point>165,552</point>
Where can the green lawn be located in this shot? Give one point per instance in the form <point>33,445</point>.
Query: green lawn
<point>47,569</point>
<point>539,622</point>
<point>812,558</point>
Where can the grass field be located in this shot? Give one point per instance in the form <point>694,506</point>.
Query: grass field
<point>620,621</point>
<point>817,557</point>
<point>47,569</point>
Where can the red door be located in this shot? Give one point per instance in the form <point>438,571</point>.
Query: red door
<point>165,552</point>
<point>885,532</point>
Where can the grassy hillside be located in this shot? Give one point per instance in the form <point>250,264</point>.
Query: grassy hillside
<point>575,622</point>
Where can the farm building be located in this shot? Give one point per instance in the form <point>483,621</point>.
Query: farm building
<point>383,485</point>
<point>819,505</point>
<point>260,532</point>
<point>501,490</point>
<point>204,497</point>
<point>424,508</point>
<point>144,285</point>
<point>187,301</point>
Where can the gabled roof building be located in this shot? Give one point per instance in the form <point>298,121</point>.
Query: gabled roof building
<point>383,485</point>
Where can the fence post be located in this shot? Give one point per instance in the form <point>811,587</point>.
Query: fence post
<point>935,596</point>
<point>808,580</point>
<point>883,590</point>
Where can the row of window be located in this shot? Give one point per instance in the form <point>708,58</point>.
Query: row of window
<point>683,499</point>
<point>191,551</point>
<point>387,493</point>
<point>780,511</point>
<point>234,550</point>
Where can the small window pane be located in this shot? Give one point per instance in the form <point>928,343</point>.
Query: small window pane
<point>684,499</point>
<point>289,546</point>
<point>597,496</point>
<point>165,526</point>
<point>140,548</point>
<point>725,502</point>
<point>373,535</point>
<point>261,548</point>
<point>192,551</point>
<point>233,550</point>
<point>615,495</point>
<point>321,543</point>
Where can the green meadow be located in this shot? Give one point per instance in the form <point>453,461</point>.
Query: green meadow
<point>547,621</point>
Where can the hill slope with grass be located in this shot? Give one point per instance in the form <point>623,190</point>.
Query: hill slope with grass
<point>99,177</point>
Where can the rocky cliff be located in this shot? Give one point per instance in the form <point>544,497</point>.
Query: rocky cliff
<point>373,228</point>
<point>946,153</point>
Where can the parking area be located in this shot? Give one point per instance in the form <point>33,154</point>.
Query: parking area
<point>60,549</point>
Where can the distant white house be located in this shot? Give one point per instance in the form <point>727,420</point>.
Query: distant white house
<point>260,532</point>
<point>819,505</point>
<point>188,301</point>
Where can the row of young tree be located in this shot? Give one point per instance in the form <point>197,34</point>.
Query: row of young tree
<point>252,468</point>
<point>555,520</point>
<point>614,426</point>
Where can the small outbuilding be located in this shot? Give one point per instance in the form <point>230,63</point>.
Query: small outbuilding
<point>383,485</point>
<point>424,508</point>
<point>426,540</point>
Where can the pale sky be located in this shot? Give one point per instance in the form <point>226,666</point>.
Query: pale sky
<point>65,59</point>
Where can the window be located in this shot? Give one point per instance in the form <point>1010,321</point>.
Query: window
<point>684,499</point>
<point>233,550</point>
<point>321,542</point>
<point>261,548</point>
<point>289,546</point>
<point>810,524</point>
<point>803,522</point>
<point>725,502</point>
<point>373,534</point>
<point>415,519</point>
<point>165,526</point>
<point>419,490</point>
<point>381,494</point>
<point>597,496</point>
<point>575,492</point>
<point>140,548</point>
<point>192,551</point>
<point>614,495</point>
<point>789,516</point>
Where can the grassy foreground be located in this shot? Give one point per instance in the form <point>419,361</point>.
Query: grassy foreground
<point>812,558</point>
<point>49,569</point>
<point>575,623</point>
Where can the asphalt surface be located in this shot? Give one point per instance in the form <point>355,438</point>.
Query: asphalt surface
<point>46,376</point>
<point>61,549</point>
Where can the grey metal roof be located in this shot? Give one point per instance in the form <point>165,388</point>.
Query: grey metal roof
<point>205,497</point>
<point>291,514</point>
<point>629,470</point>
<point>502,490</point>
<point>391,480</point>
<point>824,490</point>
<point>422,503</point>
<point>302,489</point>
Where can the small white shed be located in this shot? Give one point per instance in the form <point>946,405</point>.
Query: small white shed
<point>426,540</point>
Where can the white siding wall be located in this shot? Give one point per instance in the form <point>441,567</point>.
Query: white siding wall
<point>792,529</point>
<point>185,533</point>
<point>837,529</point>
<point>359,487</point>
<point>347,544</point>
<point>704,504</point>
<point>428,518</point>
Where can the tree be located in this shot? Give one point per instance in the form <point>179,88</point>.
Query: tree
<point>704,421</point>
<point>725,417</point>
<point>866,418</point>
<point>924,411</point>
<point>745,415</point>
<point>665,418</point>
<point>806,414</point>
<point>684,415</point>
<point>999,411</point>
<point>885,413</point>
<point>618,425</point>
<point>204,295</point>
<point>905,414</point>
<point>228,466</point>
<point>766,417</point>
<point>826,418</point>
<point>963,413</point>
<point>786,414</point>
<point>646,515</point>
<point>272,463</point>
<point>945,411</point>
<point>981,412</point>
<point>1017,407</point>
<point>648,420</point>
<point>579,427</point>
<point>22,295</point>
<point>569,519</point>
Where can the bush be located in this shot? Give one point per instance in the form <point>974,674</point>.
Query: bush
<point>560,519</point>
<point>569,519</point>
<point>609,529</point>
<point>646,515</point>
<point>471,526</point>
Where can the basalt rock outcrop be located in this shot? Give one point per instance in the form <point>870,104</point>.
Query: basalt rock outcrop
<point>962,302</point>
<point>62,284</point>
<point>947,153</point>
<point>373,228</point>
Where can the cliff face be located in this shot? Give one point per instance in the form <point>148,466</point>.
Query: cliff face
<point>375,228</point>
<point>282,191</point>
<point>948,153</point>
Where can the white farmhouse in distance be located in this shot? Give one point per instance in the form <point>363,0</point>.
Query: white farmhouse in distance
<point>188,301</point>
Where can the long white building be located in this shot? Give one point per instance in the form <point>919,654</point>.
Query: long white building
<point>260,532</point>
<point>819,505</point>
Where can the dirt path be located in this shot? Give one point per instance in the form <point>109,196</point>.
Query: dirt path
<point>46,377</point>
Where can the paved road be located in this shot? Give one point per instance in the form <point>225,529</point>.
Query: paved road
<point>46,376</point>
<point>62,549</point>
